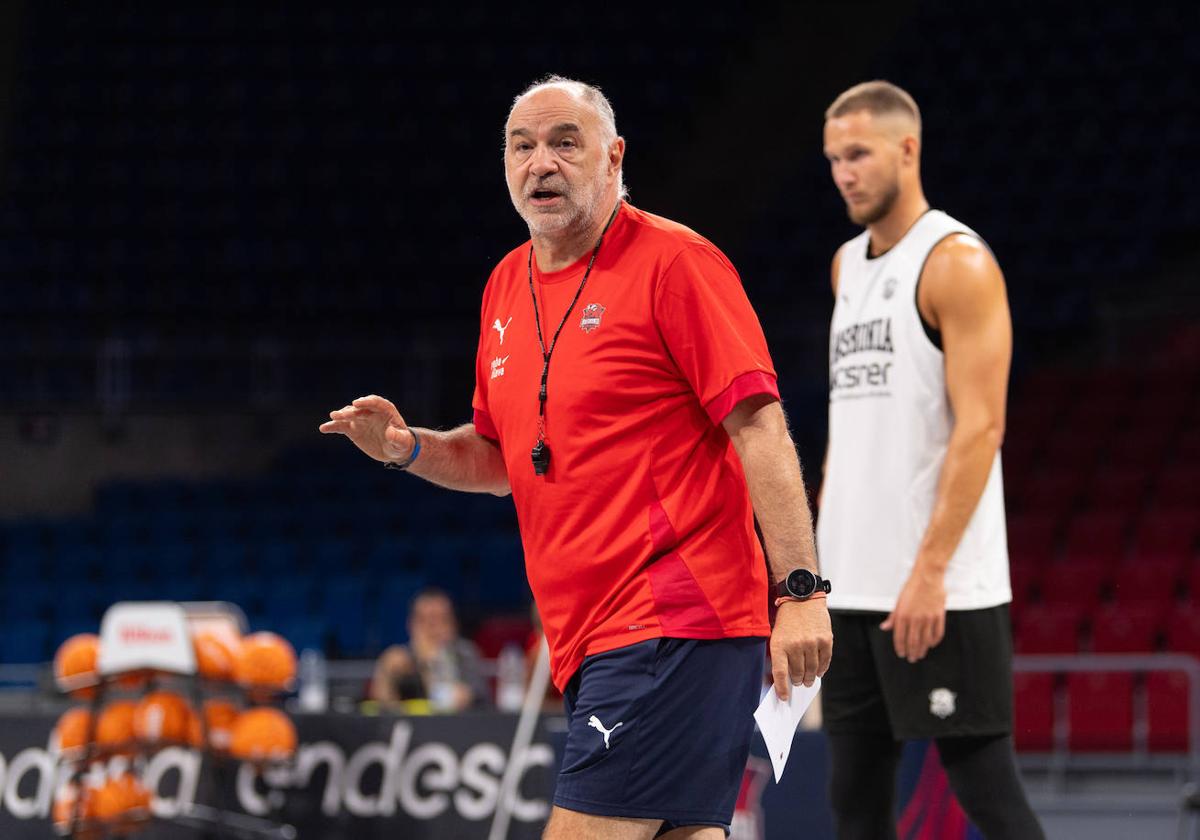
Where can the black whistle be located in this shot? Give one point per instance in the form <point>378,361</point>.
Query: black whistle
<point>540,457</point>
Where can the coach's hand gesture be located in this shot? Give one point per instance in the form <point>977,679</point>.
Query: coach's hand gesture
<point>375,426</point>
<point>801,644</point>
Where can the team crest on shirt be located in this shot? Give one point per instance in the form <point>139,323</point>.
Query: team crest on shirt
<point>592,313</point>
<point>889,288</point>
<point>941,702</point>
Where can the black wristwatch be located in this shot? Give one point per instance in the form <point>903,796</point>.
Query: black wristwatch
<point>800,585</point>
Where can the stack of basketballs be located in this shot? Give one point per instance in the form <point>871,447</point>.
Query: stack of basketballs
<point>133,714</point>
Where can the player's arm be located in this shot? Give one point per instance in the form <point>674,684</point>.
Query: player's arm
<point>961,294</point>
<point>460,459</point>
<point>802,642</point>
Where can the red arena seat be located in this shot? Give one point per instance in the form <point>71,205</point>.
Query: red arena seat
<point>1053,493</point>
<point>1126,629</point>
<point>1045,628</point>
<point>1187,447</point>
<point>1097,536</point>
<point>1166,533</point>
<point>497,631</point>
<point>1183,629</point>
<point>1032,539</point>
<point>1033,712</point>
<point>1077,448</point>
<point>1192,583</point>
<point>1167,711</point>
<point>1140,448</point>
<point>1101,712</point>
<point>1149,581</point>
<point>1178,487</point>
<point>1079,583</point>
<point>1024,588</point>
<point>1120,490</point>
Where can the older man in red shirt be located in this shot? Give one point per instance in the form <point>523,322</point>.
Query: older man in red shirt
<point>626,398</point>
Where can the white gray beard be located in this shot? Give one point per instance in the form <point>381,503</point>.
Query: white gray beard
<point>541,224</point>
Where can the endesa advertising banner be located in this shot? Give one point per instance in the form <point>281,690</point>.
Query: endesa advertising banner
<point>431,778</point>
<point>353,777</point>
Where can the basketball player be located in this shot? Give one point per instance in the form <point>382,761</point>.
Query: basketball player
<point>625,397</point>
<point>912,511</point>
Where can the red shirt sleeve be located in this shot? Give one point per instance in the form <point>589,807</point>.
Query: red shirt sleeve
<point>747,385</point>
<point>485,426</point>
<point>711,331</point>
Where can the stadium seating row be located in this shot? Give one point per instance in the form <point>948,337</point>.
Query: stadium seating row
<point>1112,628</point>
<point>1113,712</point>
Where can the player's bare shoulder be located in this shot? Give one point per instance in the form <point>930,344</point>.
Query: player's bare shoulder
<point>962,258</point>
<point>960,271</point>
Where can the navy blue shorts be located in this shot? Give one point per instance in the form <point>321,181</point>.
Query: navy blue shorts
<point>661,730</point>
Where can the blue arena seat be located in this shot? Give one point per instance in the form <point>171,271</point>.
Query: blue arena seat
<point>26,602</point>
<point>344,604</point>
<point>303,633</point>
<point>25,642</point>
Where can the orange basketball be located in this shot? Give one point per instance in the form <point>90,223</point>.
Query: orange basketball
<point>219,717</point>
<point>110,801</point>
<point>75,661</point>
<point>64,804</point>
<point>114,726</point>
<point>143,798</point>
<point>162,716</point>
<point>214,656</point>
<point>118,796</point>
<point>72,729</point>
<point>263,734</point>
<point>265,660</point>
<point>133,680</point>
<point>64,810</point>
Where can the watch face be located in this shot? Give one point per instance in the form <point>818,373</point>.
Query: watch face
<point>801,583</point>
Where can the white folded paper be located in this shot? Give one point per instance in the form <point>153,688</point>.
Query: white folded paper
<point>778,720</point>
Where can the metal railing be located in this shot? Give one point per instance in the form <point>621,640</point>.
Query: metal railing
<point>1063,758</point>
<point>26,688</point>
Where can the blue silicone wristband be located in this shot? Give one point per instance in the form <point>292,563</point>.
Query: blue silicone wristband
<point>412,456</point>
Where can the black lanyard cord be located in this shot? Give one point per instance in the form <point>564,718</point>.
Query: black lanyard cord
<point>537,320</point>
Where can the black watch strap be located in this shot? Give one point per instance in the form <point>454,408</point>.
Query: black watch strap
<point>801,584</point>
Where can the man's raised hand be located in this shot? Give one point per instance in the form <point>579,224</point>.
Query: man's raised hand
<point>375,427</point>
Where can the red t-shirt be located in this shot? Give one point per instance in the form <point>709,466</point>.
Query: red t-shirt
<point>642,527</point>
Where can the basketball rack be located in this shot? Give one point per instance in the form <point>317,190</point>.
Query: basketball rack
<point>144,644</point>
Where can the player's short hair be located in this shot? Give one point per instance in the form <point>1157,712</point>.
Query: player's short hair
<point>590,94</point>
<point>878,98</point>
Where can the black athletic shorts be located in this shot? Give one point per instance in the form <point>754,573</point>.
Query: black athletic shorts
<point>962,687</point>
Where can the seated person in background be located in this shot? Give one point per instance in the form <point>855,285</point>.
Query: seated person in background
<point>436,665</point>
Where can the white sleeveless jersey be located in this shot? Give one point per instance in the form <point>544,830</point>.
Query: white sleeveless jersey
<point>889,425</point>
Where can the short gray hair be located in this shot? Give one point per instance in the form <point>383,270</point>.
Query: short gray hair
<point>590,94</point>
